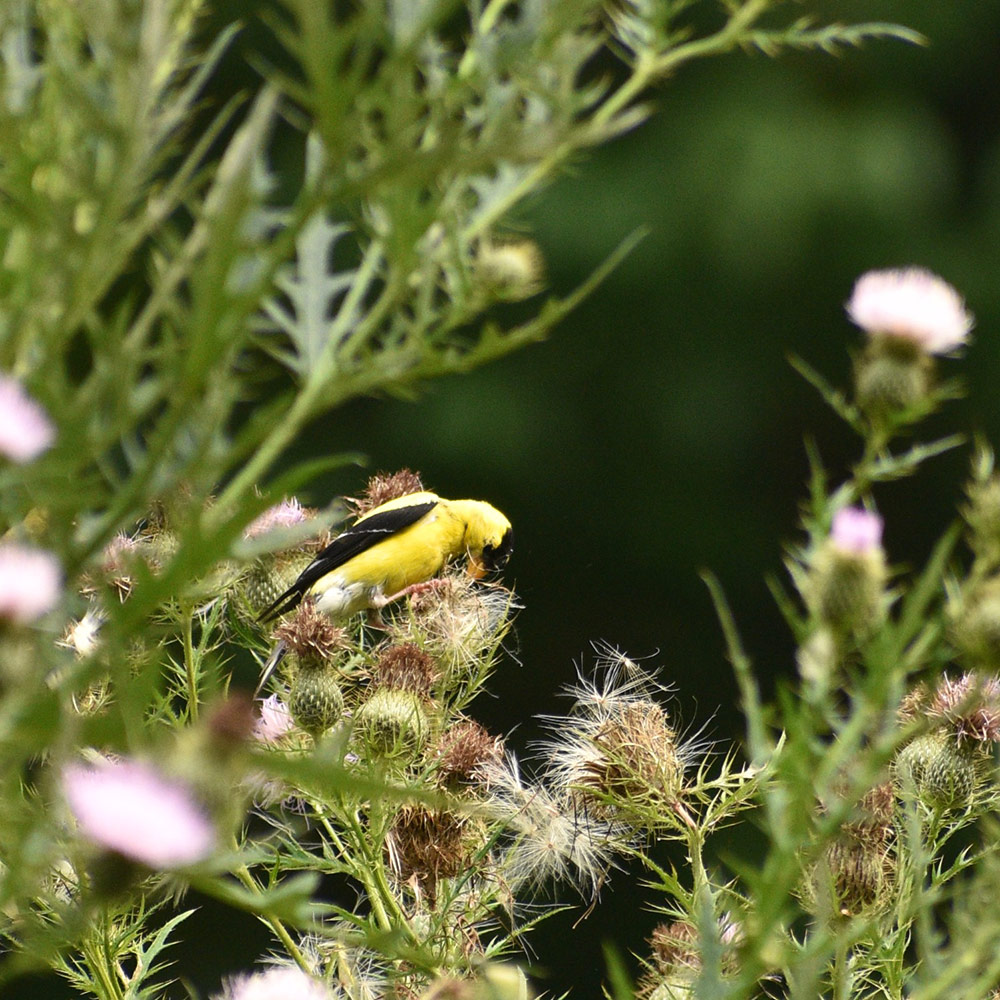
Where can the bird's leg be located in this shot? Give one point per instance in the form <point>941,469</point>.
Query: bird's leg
<point>414,588</point>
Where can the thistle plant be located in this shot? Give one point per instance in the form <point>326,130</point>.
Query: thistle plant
<point>176,307</point>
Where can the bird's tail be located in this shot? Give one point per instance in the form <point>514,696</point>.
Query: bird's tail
<point>277,655</point>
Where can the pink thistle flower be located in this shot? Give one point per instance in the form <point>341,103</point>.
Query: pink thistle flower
<point>25,428</point>
<point>118,552</point>
<point>856,531</point>
<point>281,515</point>
<point>30,583</point>
<point>129,807</point>
<point>280,983</point>
<point>912,304</point>
<point>971,703</point>
<point>275,720</point>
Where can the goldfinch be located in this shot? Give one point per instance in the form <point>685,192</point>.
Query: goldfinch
<point>402,542</point>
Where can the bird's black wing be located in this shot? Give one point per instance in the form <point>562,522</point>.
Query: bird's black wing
<point>349,543</point>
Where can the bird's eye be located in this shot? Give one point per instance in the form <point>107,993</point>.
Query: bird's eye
<point>496,556</point>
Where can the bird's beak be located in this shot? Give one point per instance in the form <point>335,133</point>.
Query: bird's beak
<point>476,569</point>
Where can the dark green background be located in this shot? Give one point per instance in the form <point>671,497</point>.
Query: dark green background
<point>659,431</point>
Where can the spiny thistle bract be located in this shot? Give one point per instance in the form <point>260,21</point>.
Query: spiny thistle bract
<point>977,627</point>
<point>891,377</point>
<point>393,723</point>
<point>982,511</point>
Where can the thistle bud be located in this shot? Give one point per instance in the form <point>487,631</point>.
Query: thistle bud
<point>945,767</point>
<point>982,512</point>
<point>845,583</point>
<point>317,701</point>
<point>313,643</point>
<point>977,627</point>
<point>393,723</point>
<point>939,771</point>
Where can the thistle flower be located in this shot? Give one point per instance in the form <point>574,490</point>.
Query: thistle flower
<point>458,622</point>
<point>30,583</point>
<point>310,635</point>
<point>81,636</point>
<point>617,750</point>
<point>856,871</point>
<point>677,962</point>
<point>945,766</point>
<point>462,753</point>
<point>273,573</point>
<point>844,582</point>
<point>383,487</point>
<point>313,642</point>
<point>913,305</point>
<point>131,809</point>
<point>286,514</point>
<point>274,721</point>
<point>855,531</point>
<point>427,845</point>
<point>25,429</point>
<point>280,983</point>
<point>630,763</point>
<point>910,315</point>
<point>405,667</point>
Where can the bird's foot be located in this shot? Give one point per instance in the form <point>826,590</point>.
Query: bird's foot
<point>415,589</point>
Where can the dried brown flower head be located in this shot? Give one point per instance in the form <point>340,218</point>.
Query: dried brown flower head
<point>310,634</point>
<point>462,750</point>
<point>383,487</point>
<point>406,667</point>
<point>427,845</point>
<point>636,754</point>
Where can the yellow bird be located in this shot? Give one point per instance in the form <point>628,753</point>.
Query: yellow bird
<point>386,552</point>
<point>401,543</point>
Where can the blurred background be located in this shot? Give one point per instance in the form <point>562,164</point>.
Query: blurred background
<point>660,430</point>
